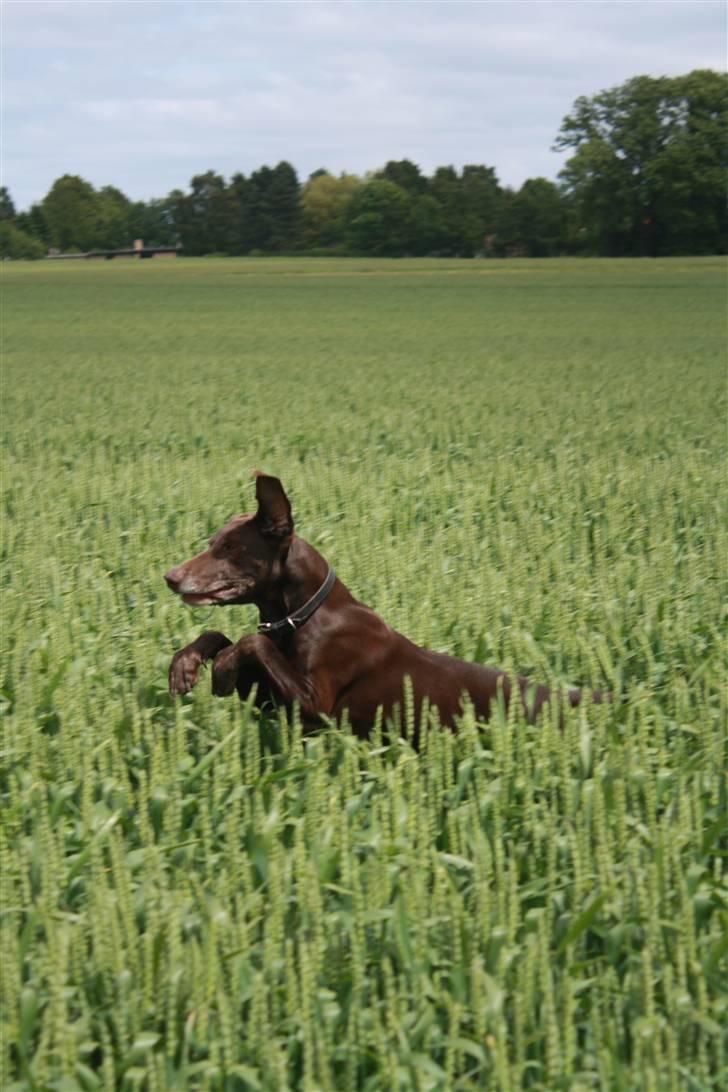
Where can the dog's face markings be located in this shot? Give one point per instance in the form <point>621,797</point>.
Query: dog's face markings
<point>244,557</point>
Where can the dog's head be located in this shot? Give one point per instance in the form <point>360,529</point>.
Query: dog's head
<point>245,558</point>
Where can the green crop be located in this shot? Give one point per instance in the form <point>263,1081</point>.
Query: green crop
<point>519,463</point>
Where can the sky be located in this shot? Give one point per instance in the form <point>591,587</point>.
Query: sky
<point>143,94</point>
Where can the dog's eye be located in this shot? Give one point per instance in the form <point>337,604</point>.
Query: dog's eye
<point>227,547</point>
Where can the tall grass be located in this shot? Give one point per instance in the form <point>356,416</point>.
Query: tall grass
<point>519,463</point>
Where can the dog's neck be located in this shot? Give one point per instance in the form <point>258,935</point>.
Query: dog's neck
<point>304,571</point>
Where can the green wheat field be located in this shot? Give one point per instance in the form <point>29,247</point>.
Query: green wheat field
<point>520,463</point>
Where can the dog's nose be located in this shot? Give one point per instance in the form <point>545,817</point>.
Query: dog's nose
<point>174,579</point>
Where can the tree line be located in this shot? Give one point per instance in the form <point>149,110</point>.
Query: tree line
<point>646,176</point>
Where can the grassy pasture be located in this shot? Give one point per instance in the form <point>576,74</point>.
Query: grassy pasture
<point>518,462</point>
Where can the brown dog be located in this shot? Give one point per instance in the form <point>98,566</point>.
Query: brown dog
<point>317,646</point>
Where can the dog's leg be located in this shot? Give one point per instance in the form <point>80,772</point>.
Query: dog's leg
<point>259,653</point>
<point>250,675</point>
<point>186,664</point>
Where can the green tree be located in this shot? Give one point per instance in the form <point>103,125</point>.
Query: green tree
<point>281,207</point>
<point>445,186</point>
<point>261,227</point>
<point>17,244</point>
<point>426,226</point>
<point>689,173</point>
<point>325,202</point>
<point>481,201</point>
<point>177,204</point>
<point>115,212</point>
<point>404,173</point>
<point>33,223</point>
<point>379,219</point>
<point>646,176</point>
<point>470,205</point>
<point>533,220</point>
<point>204,217</point>
<point>244,206</point>
<point>71,214</point>
<point>7,208</point>
<point>153,221</point>
<point>212,212</point>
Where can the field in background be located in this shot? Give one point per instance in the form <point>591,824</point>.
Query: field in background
<point>517,462</point>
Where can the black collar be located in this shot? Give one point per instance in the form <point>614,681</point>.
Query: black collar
<point>296,618</point>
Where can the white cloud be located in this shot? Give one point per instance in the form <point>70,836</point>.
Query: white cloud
<point>144,95</point>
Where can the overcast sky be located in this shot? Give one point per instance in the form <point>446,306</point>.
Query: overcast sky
<point>143,95</point>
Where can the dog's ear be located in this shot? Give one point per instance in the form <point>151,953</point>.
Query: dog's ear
<point>274,509</point>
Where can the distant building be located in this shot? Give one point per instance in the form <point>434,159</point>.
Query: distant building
<point>136,251</point>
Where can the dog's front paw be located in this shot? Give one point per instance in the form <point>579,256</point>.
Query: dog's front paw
<point>225,672</point>
<point>183,671</point>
